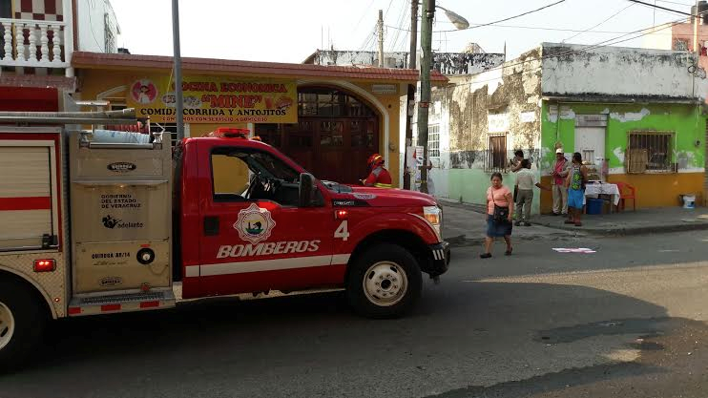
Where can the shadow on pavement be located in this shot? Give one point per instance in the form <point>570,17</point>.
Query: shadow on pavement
<point>464,334</point>
<point>611,253</point>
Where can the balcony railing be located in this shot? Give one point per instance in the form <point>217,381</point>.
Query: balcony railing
<point>32,43</point>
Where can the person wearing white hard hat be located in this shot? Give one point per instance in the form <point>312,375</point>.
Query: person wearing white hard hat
<point>560,194</point>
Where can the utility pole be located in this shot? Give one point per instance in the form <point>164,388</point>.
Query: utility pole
<point>410,99</point>
<point>696,49</point>
<point>414,35</point>
<point>426,38</point>
<point>381,37</point>
<point>179,116</point>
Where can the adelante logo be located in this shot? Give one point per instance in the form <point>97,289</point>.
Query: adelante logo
<point>122,167</point>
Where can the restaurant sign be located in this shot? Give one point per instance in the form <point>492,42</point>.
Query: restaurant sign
<point>213,99</point>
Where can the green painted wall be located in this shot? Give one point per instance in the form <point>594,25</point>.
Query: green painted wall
<point>470,185</point>
<point>685,120</point>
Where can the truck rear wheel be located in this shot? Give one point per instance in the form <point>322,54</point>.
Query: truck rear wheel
<point>22,322</point>
<point>384,282</point>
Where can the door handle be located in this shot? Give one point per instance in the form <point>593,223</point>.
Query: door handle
<point>211,225</point>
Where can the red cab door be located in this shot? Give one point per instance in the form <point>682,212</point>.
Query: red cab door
<point>255,236</point>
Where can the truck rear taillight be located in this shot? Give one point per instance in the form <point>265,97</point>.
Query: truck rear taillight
<point>341,214</point>
<point>45,265</point>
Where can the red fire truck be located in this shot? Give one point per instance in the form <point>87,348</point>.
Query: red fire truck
<point>96,222</point>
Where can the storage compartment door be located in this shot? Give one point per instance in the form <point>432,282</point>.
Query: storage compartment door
<point>27,197</point>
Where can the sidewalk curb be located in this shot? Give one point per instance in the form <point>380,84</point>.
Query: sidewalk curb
<point>466,206</point>
<point>624,231</point>
<point>618,231</point>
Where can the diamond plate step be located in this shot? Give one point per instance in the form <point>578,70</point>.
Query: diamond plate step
<point>92,305</point>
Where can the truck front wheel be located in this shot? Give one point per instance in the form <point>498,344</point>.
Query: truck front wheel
<point>22,321</point>
<point>384,282</point>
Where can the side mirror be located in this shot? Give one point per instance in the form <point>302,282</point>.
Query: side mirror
<point>306,189</point>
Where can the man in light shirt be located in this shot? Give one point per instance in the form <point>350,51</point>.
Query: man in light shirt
<point>525,182</point>
<point>560,192</point>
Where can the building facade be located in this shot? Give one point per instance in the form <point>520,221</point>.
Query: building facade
<point>329,119</point>
<point>37,40</point>
<point>636,115</point>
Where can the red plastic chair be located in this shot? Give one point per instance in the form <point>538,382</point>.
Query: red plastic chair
<point>626,192</point>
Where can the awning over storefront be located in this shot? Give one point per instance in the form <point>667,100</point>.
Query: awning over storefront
<point>86,60</point>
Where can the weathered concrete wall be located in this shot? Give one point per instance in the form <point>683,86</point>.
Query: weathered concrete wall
<point>498,101</point>
<point>464,63</point>
<point>349,58</point>
<point>619,72</point>
<point>445,63</point>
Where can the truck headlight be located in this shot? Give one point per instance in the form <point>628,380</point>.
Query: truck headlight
<point>433,215</point>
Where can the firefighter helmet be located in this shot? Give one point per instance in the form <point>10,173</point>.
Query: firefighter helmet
<point>375,160</point>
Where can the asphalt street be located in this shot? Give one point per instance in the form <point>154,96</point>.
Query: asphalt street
<point>628,320</point>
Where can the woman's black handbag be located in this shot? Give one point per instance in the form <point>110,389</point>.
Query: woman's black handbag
<point>501,213</point>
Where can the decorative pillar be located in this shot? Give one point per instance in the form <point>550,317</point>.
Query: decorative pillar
<point>20,41</point>
<point>56,44</point>
<point>44,54</point>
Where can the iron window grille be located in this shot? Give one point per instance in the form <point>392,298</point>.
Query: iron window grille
<point>649,151</point>
<point>496,154</point>
<point>434,141</point>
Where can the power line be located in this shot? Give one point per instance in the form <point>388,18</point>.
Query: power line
<point>595,26</point>
<point>661,7</point>
<point>388,8</point>
<point>605,43</point>
<point>611,32</point>
<point>401,21</point>
<point>505,19</point>
<point>93,34</point>
<point>363,15</point>
<point>674,2</point>
<point>405,41</point>
<point>371,37</point>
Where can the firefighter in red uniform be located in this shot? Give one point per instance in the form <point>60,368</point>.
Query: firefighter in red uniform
<point>378,177</point>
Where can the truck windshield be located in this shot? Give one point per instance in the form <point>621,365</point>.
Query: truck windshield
<point>264,164</point>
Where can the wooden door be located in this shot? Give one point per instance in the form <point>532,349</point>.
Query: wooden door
<point>332,141</point>
<point>363,143</point>
<point>590,142</point>
<point>335,135</point>
<point>299,143</point>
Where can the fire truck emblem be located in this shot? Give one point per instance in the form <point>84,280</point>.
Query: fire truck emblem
<point>254,224</point>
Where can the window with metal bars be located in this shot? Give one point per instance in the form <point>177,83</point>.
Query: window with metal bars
<point>325,102</point>
<point>649,151</point>
<point>434,141</point>
<point>496,154</point>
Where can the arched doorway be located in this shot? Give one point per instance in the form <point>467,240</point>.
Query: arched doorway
<point>335,134</point>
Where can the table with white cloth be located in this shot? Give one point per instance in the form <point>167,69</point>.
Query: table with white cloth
<point>594,190</point>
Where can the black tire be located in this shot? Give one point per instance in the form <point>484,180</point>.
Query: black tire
<point>405,262</point>
<point>30,319</point>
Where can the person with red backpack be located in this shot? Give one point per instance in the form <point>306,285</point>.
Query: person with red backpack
<point>378,177</point>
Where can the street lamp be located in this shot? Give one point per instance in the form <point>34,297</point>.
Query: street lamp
<point>458,20</point>
<point>426,38</point>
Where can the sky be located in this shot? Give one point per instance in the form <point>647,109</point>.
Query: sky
<point>289,31</point>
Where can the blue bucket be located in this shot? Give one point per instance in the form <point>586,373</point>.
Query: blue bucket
<point>594,206</point>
